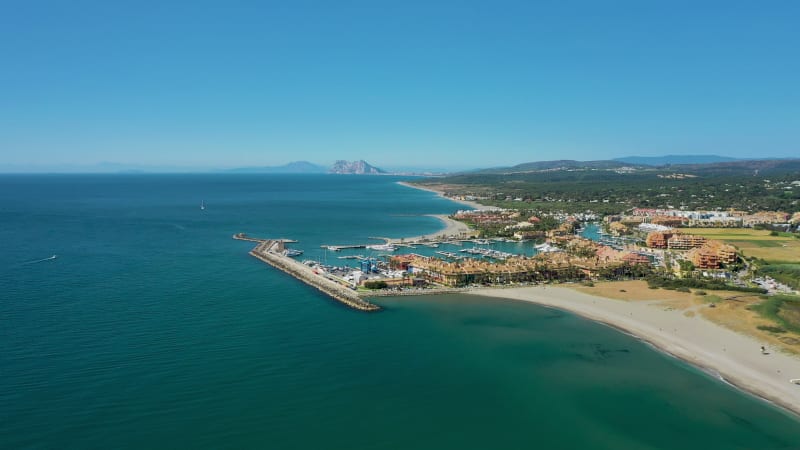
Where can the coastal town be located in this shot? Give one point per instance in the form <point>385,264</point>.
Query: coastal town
<point>367,225</point>
<point>703,285</point>
<point>570,248</point>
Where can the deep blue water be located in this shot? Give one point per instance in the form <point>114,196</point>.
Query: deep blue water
<point>154,329</point>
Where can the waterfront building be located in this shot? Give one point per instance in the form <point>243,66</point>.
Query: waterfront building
<point>618,228</point>
<point>765,218</point>
<point>712,255</point>
<point>658,239</point>
<point>542,267</point>
<point>680,241</point>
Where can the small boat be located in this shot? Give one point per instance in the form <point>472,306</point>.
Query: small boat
<point>293,252</point>
<point>202,204</point>
<point>795,381</point>
<point>382,247</point>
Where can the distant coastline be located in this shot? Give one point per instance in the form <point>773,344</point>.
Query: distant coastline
<point>471,204</point>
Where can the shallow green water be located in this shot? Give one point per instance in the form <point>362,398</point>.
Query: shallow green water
<point>154,329</point>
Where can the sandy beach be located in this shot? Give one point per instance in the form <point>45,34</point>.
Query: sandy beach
<point>452,229</point>
<point>735,357</point>
<point>471,204</point>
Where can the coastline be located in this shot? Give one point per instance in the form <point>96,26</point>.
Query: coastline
<point>733,357</point>
<point>691,338</point>
<point>471,204</point>
<point>452,229</point>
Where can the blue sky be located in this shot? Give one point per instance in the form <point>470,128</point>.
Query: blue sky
<point>402,83</point>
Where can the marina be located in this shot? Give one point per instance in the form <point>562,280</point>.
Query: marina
<point>272,252</point>
<point>286,337</point>
<point>494,249</point>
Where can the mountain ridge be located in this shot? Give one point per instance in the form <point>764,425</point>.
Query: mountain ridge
<point>740,166</point>
<point>657,161</point>
<point>361,167</point>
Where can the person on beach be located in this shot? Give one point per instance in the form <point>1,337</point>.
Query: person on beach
<point>763,350</point>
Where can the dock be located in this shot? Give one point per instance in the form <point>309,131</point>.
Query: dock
<point>337,248</point>
<point>244,237</point>
<point>271,251</point>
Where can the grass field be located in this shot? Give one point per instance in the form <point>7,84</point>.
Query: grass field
<point>757,243</point>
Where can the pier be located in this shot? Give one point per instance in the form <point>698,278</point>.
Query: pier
<point>271,251</point>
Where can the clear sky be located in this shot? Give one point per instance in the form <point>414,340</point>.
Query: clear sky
<point>400,83</point>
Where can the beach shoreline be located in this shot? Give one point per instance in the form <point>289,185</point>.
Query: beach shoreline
<point>471,204</point>
<point>685,334</point>
<point>736,358</point>
<point>452,229</point>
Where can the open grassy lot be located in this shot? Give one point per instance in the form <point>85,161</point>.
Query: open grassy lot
<point>757,243</point>
<point>782,309</point>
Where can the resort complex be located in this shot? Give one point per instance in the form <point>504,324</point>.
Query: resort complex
<point>496,247</point>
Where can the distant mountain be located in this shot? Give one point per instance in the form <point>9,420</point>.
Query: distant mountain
<point>562,164</point>
<point>674,159</point>
<point>355,167</point>
<point>292,167</point>
<point>664,164</point>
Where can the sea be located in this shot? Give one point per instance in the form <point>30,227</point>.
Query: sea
<point>152,328</point>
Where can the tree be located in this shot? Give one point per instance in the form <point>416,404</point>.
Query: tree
<point>686,266</point>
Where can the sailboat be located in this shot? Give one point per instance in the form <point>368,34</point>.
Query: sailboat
<point>202,204</point>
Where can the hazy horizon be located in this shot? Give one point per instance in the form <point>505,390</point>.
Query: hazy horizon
<point>111,167</point>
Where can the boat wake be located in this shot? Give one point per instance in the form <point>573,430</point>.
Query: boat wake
<point>50,258</point>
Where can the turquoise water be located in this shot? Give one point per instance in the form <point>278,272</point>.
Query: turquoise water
<point>591,231</point>
<point>154,329</point>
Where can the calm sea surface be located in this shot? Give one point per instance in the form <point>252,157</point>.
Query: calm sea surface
<point>154,329</point>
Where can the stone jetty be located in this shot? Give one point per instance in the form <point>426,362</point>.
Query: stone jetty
<point>270,251</point>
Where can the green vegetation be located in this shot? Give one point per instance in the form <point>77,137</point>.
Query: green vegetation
<point>606,190</point>
<point>686,265</point>
<point>585,252</point>
<point>379,284</point>
<point>545,223</point>
<point>788,274</point>
<point>771,329</point>
<point>657,281</point>
<point>783,310</point>
<point>624,271</point>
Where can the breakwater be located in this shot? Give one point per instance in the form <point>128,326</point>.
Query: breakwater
<point>271,252</point>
